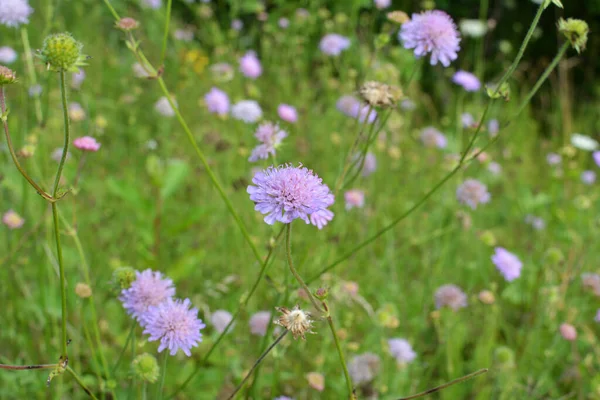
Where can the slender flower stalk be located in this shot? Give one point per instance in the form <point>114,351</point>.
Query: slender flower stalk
<point>32,75</point>
<point>163,370</point>
<point>81,384</point>
<point>445,385</point>
<point>351,394</point>
<point>166,34</point>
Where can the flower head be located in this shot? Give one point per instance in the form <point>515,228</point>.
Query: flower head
<point>246,110</point>
<point>381,4</point>
<point>401,350</point>
<point>493,127</point>
<point>7,76</point>
<point>597,317</point>
<point>596,157</point>
<point>432,32</point>
<point>592,282</point>
<point>333,44</point>
<point>145,367</point>
<point>148,289</point>
<point>250,65</point>
<point>61,52</point>
<point>370,164</point>
<point>467,120</point>
<point>86,143</point>
<point>237,25</point>
<point>287,113</point>
<point>259,323</point>
<point>536,222</point>
<point>76,112</point>
<point>321,218</point>
<point>588,177</point>
<point>217,101</point>
<point>583,142</point>
<point>380,94</point>
<point>472,193</point>
<point>568,332</point>
<point>163,107</point>
<point>127,24</point>
<point>431,137</point>
<point>175,325</point>
<point>576,31</point>
<point>220,319</point>
<point>7,55</point>
<point>467,80</point>
<point>553,159</point>
<point>12,220</point>
<point>364,368</point>
<point>507,263</point>
<point>450,296</point>
<point>295,320</point>
<point>316,381</point>
<point>354,198</point>
<point>285,193</point>
<point>14,12</point>
<point>270,137</point>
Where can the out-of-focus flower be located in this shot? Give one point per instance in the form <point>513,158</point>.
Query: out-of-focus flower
<point>217,101</point>
<point>431,137</point>
<point>399,17</point>
<point>494,168</point>
<point>486,297</point>
<point>568,332</point>
<point>76,112</point>
<point>493,127</point>
<point>473,28</point>
<point>34,90</point>
<point>127,24</point>
<point>450,296</point>
<point>536,222</point>
<point>588,177</point>
<point>185,35</point>
<point>163,107</point>
<point>507,263</point>
<point>145,367</point>
<point>370,164</point>
<point>472,193</point>
<point>148,289</point>
<point>401,350</point>
<point>283,23</point>
<point>381,4</point>
<point>285,193</point>
<point>12,220</point>
<point>597,317</point>
<point>316,381</point>
<point>237,25</point>
<point>57,154</point>
<point>250,65</point>
<point>467,80</point>
<point>333,44</point>
<point>7,55</point>
<point>354,198</point>
<point>139,71</point>
<point>467,120</point>
<point>583,142</point>
<point>222,72</point>
<point>83,290</point>
<point>553,158</point>
<point>153,4</point>
<point>246,110</point>
<point>86,143</point>
<point>220,319</point>
<point>596,156</point>
<point>77,79</point>
<point>591,281</point>
<point>432,32</point>
<point>364,368</point>
<point>287,113</point>
<point>14,12</point>
<point>408,105</point>
<point>259,323</point>
<point>270,137</point>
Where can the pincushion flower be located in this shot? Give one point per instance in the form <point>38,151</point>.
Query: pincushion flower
<point>12,220</point>
<point>333,44</point>
<point>287,113</point>
<point>14,12</point>
<point>148,289</point>
<point>250,65</point>
<point>220,319</point>
<point>364,368</point>
<point>472,193</point>
<point>431,137</point>
<point>175,325</point>
<point>7,55</point>
<point>401,350</point>
<point>259,322</point>
<point>431,32</point>
<point>246,110</point>
<point>217,101</point>
<point>507,263</point>
<point>450,296</point>
<point>86,143</point>
<point>354,198</point>
<point>286,193</point>
<point>163,106</point>
<point>270,137</point>
<point>467,80</point>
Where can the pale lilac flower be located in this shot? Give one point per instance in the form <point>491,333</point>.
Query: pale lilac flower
<point>467,80</point>
<point>507,263</point>
<point>431,32</point>
<point>283,23</point>
<point>270,136</point>
<point>408,105</point>
<point>333,44</point>
<point>250,65</point>
<point>321,218</point>
<point>493,127</point>
<point>220,319</point>
<point>287,113</point>
<point>163,107</point>
<point>354,198</point>
<point>591,281</point>
<point>57,154</point>
<point>596,156</point>
<point>237,25</point>
<point>472,193</point>
<point>34,90</point>
<point>185,35</point>
<point>346,104</point>
<point>246,110</point>
<point>431,137</point>
<point>153,4</point>
<point>553,159</point>
<point>12,220</point>
<point>175,325</point>
<point>536,222</point>
<point>597,317</point>
<point>259,323</point>
<point>14,12</point>
<point>148,289</point>
<point>370,164</point>
<point>364,368</point>
<point>467,120</point>
<point>588,177</point>
<point>86,143</point>
<point>568,332</point>
<point>285,193</point>
<point>7,55</point>
<point>217,101</point>
<point>401,350</point>
<point>450,296</point>
<point>494,168</point>
<point>381,4</point>
<point>77,79</point>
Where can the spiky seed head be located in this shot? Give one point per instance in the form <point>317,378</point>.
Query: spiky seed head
<point>295,320</point>
<point>576,32</point>
<point>61,52</point>
<point>145,367</point>
<point>7,76</point>
<point>380,94</point>
<point>127,24</point>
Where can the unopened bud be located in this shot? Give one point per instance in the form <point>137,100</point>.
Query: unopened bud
<point>127,24</point>
<point>145,367</point>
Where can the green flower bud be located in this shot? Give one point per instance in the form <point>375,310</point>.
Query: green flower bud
<point>504,357</point>
<point>576,32</point>
<point>554,255</point>
<point>124,277</point>
<point>7,76</point>
<point>381,41</point>
<point>145,367</point>
<point>61,52</point>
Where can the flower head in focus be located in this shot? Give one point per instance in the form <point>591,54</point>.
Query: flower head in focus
<point>295,320</point>
<point>148,289</point>
<point>270,136</point>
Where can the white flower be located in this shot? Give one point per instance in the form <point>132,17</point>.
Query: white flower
<point>246,110</point>
<point>473,28</point>
<point>7,55</point>
<point>14,12</point>
<point>164,107</point>
<point>583,142</point>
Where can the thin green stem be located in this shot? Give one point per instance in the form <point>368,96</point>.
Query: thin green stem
<point>338,346</point>
<point>257,363</point>
<point>112,10</point>
<point>32,75</point>
<point>445,385</point>
<point>63,158</point>
<point>129,337</point>
<point>63,286</point>
<point>80,382</point>
<point>163,373</point>
<point>166,34</point>
<point>288,253</point>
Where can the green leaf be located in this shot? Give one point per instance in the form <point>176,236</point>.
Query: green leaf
<point>174,177</point>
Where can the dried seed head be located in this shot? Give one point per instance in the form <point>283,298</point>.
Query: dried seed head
<point>486,297</point>
<point>127,24</point>
<point>380,94</point>
<point>295,320</point>
<point>7,76</point>
<point>83,290</point>
<point>398,17</point>
<point>576,32</point>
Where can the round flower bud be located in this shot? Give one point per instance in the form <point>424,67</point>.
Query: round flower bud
<point>127,24</point>
<point>83,290</point>
<point>61,52</point>
<point>146,368</point>
<point>7,76</point>
<point>576,32</point>
<point>124,276</point>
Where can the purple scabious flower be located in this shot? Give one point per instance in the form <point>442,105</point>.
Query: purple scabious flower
<point>536,222</point>
<point>148,289</point>
<point>467,120</point>
<point>493,127</point>
<point>553,159</point>
<point>354,198</point>
<point>7,55</point>
<point>321,218</point>
<point>14,12</point>
<point>175,325</point>
<point>431,137</point>
<point>597,317</point>
<point>217,101</point>
<point>450,296</point>
<point>596,156</point>
<point>250,65</point>
<point>246,110</point>
<point>237,25</point>
<point>588,177</point>
<point>507,263</point>
<point>220,319</point>
<point>354,108</point>
<point>494,168</point>
<point>467,80</point>
<point>432,32</point>
<point>472,192</point>
<point>153,4</point>
<point>283,23</point>
<point>270,137</point>
<point>370,164</point>
<point>364,368</point>
<point>401,350</point>
<point>259,322</point>
<point>285,193</point>
<point>287,113</point>
<point>333,44</point>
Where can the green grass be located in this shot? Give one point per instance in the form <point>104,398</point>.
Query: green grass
<point>157,208</point>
